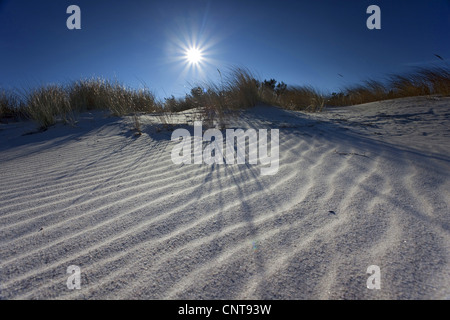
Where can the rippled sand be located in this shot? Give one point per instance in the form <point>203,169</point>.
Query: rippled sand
<point>357,186</point>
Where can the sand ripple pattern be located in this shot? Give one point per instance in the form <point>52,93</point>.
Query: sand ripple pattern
<point>141,227</point>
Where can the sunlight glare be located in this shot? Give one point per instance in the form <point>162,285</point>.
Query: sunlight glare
<point>194,55</point>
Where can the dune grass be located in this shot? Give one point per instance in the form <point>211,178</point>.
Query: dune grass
<point>240,89</point>
<point>120,100</point>
<point>305,98</point>
<point>237,89</point>
<point>101,94</point>
<point>216,102</point>
<point>10,106</point>
<point>419,82</point>
<point>47,104</point>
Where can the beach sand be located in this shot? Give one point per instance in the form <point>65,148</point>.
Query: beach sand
<point>356,186</point>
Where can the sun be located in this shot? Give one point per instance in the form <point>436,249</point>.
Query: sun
<point>194,56</point>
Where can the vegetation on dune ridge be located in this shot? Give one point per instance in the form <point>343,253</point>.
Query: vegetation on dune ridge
<point>420,82</point>
<point>238,89</point>
<point>48,103</point>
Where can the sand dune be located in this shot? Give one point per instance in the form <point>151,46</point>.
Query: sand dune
<point>357,186</point>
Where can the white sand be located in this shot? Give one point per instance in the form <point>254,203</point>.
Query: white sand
<point>141,227</point>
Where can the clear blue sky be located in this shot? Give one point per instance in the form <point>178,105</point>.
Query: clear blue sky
<point>324,43</point>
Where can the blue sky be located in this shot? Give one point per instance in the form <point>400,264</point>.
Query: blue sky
<point>323,43</point>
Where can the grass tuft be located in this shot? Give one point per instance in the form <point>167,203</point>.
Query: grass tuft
<point>304,98</point>
<point>44,104</point>
<point>10,106</point>
<point>219,101</point>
